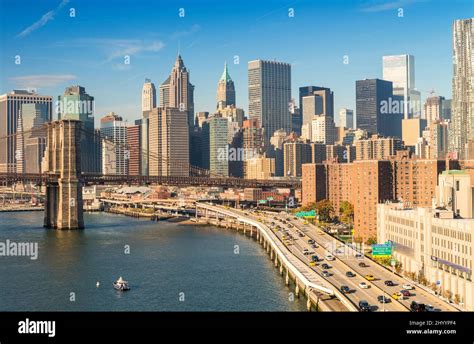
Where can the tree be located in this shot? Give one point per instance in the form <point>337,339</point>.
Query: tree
<point>371,241</point>
<point>324,209</point>
<point>347,212</point>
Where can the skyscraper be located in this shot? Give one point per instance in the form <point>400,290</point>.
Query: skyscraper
<point>269,85</point>
<point>433,109</point>
<point>375,110</point>
<point>169,143</point>
<point>114,130</point>
<point>10,105</point>
<point>225,90</point>
<point>148,97</point>
<point>327,100</point>
<point>178,92</point>
<point>400,70</point>
<point>31,136</point>
<point>346,118</point>
<point>462,116</point>
<point>76,104</point>
<point>134,148</point>
<point>218,157</point>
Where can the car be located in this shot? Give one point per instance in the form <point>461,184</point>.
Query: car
<point>301,235</point>
<point>383,299</point>
<point>416,306</point>
<point>329,257</point>
<point>398,296</point>
<point>405,293</point>
<point>369,277</point>
<point>359,256</point>
<point>315,258</point>
<point>326,273</point>
<point>305,250</point>
<point>345,289</point>
<point>430,308</point>
<point>326,266</point>
<point>363,285</point>
<point>363,265</point>
<point>389,283</point>
<point>314,246</point>
<point>310,241</point>
<point>364,306</point>
<point>408,287</point>
<point>306,253</point>
<point>350,274</point>
<point>312,263</point>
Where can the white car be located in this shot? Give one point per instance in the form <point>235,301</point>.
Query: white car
<point>329,257</point>
<point>363,285</point>
<point>408,287</point>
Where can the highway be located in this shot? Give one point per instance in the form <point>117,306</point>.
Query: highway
<point>347,260</point>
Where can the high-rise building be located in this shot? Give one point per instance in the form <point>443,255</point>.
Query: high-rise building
<point>433,109</point>
<point>10,106</point>
<point>269,84</point>
<point>313,106</point>
<point>377,147</point>
<point>178,92</point>
<point>462,117</point>
<point>400,70</point>
<point>134,149</point>
<point>313,186</point>
<point>225,90</point>
<point>346,118</point>
<point>114,129</point>
<point>376,112</point>
<point>412,130</point>
<point>295,154</point>
<point>277,140</point>
<point>323,130</point>
<point>259,168</point>
<point>31,136</point>
<point>218,146</point>
<point>148,97</point>
<point>253,135</point>
<point>326,97</point>
<point>438,139</point>
<point>76,104</point>
<point>169,142</point>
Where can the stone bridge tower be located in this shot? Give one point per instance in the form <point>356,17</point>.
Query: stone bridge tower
<point>63,206</point>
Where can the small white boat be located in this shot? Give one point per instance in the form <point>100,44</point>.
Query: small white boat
<point>121,285</point>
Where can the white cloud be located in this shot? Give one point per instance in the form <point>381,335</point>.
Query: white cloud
<point>43,20</point>
<point>41,80</point>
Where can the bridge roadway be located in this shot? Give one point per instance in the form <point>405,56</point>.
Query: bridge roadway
<point>329,244</point>
<point>90,178</point>
<point>313,284</point>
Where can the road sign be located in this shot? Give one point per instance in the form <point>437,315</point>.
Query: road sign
<point>381,250</point>
<point>262,201</point>
<point>307,214</point>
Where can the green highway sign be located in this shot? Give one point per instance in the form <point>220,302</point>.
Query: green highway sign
<point>306,214</point>
<point>262,201</point>
<point>381,250</point>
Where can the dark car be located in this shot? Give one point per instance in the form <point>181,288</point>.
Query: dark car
<point>315,258</point>
<point>405,293</point>
<point>383,299</point>
<point>345,289</point>
<point>310,241</point>
<point>364,306</point>
<point>363,265</point>
<point>326,266</point>
<point>350,274</point>
<point>389,283</point>
<point>417,307</point>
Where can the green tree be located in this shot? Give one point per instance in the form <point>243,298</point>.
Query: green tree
<point>324,209</point>
<point>371,241</point>
<point>347,212</point>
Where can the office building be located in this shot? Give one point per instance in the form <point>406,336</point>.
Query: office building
<point>114,129</point>
<point>400,70</point>
<point>134,149</point>
<point>377,147</point>
<point>323,130</point>
<point>218,147</point>
<point>269,84</point>
<point>225,90</point>
<point>178,92</point>
<point>412,130</point>
<point>148,97</point>
<point>296,154</point>
<point>259,168</point>
<point>376,111</point>
<point>434,109</point>
<point>346,118</point>
<point>10,106</point>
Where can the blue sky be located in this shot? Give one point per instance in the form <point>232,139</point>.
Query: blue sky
<point>58,50</point>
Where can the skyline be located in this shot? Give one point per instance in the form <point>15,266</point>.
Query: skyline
<point>89,53</point>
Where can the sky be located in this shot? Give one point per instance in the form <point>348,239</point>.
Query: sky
<point>51,44</point>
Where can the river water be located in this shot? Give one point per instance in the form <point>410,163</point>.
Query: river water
<point>169,266</point>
